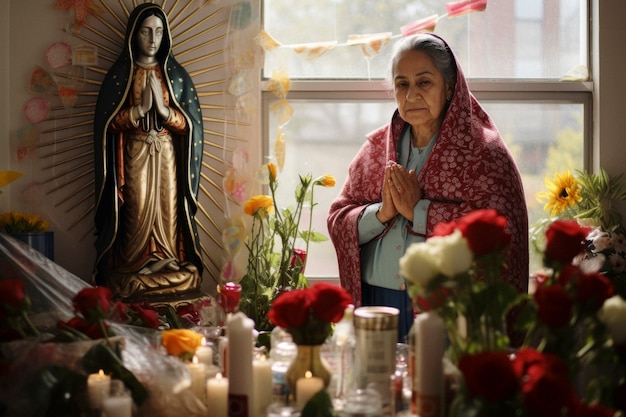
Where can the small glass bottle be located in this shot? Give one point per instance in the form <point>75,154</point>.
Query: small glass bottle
<point>282,354</point>
<point>342,345</point>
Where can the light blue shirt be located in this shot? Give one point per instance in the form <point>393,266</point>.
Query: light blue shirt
<point>380,258</point>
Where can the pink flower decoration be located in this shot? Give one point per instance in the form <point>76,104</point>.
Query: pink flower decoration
<point>459,8</point>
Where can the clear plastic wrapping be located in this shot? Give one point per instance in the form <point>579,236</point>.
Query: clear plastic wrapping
<point>51,289</point>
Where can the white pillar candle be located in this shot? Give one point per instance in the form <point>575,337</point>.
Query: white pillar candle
<point>239,364</point>
<point>263,385</point>
<point>306,388</point>
<point>429,349</point>
<point>98,387</point>
<point>217,396</point>
<point>205,355</point>
<point>118,406</point>
<point>198,379</point>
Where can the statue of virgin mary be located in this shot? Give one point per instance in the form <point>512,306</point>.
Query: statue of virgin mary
<point>148,153</point>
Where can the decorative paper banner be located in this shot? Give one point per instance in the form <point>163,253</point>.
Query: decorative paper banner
<point>234,235</point>
<point>246,107</point>
<point>370,44</point>
<point>460,8</point>
<point>82,8</point>
<point>26,140</point>
<point>265,41</point>
<point>314,50</point>
<point>85,55</point>
<point>423,25</point>
<point>36,110</point>
<point>263,175</point>
<point>279,83</point>
<point>282,110</point>
<point>59,54</point>
<point>235,185</point>
<point>280,148</point>
<point>41,81</point>
<point>240,84</point>
<point>68,96</point>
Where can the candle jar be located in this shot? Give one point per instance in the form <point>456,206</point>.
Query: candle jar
<point>119,402</point>
<point>282,410</point>
<point>376,331</point>
<point>362,403</point>
<point>308,358</point>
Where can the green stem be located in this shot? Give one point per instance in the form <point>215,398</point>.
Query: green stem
<point>308,236</point>
<point>31,327</point>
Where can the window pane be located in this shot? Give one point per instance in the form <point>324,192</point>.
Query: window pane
<point>539,39</point>
<point>323,137</point>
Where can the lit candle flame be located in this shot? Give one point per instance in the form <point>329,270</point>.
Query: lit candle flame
<point>308,374</point>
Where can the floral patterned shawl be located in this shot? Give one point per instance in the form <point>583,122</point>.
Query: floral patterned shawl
<point>469,168</point>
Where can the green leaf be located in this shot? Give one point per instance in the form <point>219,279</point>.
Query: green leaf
<point>313,236</point>
<point>320,405</point>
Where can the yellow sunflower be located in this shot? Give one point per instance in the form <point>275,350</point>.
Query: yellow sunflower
<point>563,192</point>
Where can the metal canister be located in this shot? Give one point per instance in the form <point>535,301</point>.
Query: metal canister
<point>376,331</point>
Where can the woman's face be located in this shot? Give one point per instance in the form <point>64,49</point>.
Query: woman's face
<point>420,90</point>
<point>149,37</point>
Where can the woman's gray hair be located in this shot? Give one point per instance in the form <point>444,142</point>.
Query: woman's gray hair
<point>436,49</point>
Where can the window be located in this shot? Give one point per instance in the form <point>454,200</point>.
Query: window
<point>515,54</point>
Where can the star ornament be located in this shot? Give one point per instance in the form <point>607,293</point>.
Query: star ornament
<point>82,8</point>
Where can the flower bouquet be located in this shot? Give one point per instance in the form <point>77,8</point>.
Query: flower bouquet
<point>17,222</point>
<point>308,315</point>
<point>573,360</point>
<point>588,199</point>
<point>275,262</point>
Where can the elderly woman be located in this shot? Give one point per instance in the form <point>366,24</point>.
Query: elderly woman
<point>148,145</point>
<point>440,157</point>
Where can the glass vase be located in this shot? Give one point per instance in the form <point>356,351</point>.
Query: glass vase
<point>308,358</point>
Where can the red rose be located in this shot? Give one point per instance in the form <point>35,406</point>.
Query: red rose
<point>12,295</point>
<point>546,390</point>
<point>489,375</point>
<point>290,309</point>
<point>569,273</point>
<point>329,301</point>
<point>554,305</point>
<point>565,240</point>
<point>146,315</point>
<point>485,231</point>
<point>93,303</point>
<point>593,289</point>
<point>435,299</point>
<point>230,294</point>
<point>89,329</point>
<point>298,259</point>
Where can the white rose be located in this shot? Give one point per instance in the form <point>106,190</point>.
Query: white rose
<point>418,265</point>
<point>613,315</point>
<point>452,253</point>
